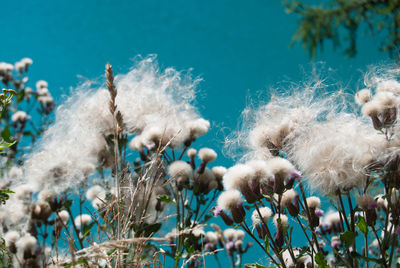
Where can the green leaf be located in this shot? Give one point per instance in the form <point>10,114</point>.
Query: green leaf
<point>6,135</point>
<point>320,260</point>
<point>4,195</point>
<point>266,241</point>
<point>348,238</point>
<point>110,252</point>
<point>178,256</point>
<point>362,225</point>
<point>5,145</point>
<point>254,265</point>
<point>165,198</point>
<point>148,229</point>
<point>87,228</point>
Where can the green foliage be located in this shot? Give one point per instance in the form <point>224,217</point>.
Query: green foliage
<point>165,198</point>
<point>340,21</point>
<point>362,225</point>
<point>321,261</point>
<point>348,238</point>
<point>4,195</point>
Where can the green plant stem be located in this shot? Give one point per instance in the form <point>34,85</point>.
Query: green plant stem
<point>74,226</point>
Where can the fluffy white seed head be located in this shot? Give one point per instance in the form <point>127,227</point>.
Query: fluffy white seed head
<point>41,84</point>
<point>280,166</point>
<point>382,202</point>
<point>20,66</point>
<point>98,203</point>
<point>212,237</point>
<point>288,196</point>
<point>46,100</point>
<point>95,192</point>
<point>137,143</point>
<point>191,152</point>
<point>198,127</point>
<point>389,85</point>
<point>197,232</point>
<point>6,67</point>
<point>180,169</point>
<point>27,61</point>
<point>239,234</point>
<point>219,172</point>
<point>363,96</point>
<point>386,99</point>
<point>331,218</point>
<point>238,176</point>
<point>11,237</point>
<point>207,155</point>
<point>19,116</point>
<point>262,170</point>
<point>228,200</point>
<point>266,214</point>
<point>82,220</point>
<point>230,234</point>
<point>313,202</point>
<point>26,242</point>
<point>283,220</point>
<point>371,109</point>
<point>47,195</point>
<point>64,216</point>
<point>28,90</point>
<point>335,154</point>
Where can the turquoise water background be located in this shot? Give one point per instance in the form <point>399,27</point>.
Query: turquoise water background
<point>237,47</point>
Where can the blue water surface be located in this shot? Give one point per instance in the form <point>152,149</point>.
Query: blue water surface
<point>237,47</point>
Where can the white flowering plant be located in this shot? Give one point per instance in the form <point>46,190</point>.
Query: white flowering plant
<point>314,140</point>
<point>104,183</point>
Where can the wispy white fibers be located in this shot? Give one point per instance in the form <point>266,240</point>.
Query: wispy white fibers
<point>156,105</point>
<point>335,154</point>
<point>319,131</point>
<point>268,128</point>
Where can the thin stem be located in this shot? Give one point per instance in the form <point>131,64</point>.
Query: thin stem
<point>308,215</point>
<point>343,210</point>
<point>258,242</point>
<point>366,249</point>
<point>274,248</point>
<point>380,245</point>
<point>305,233</point>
